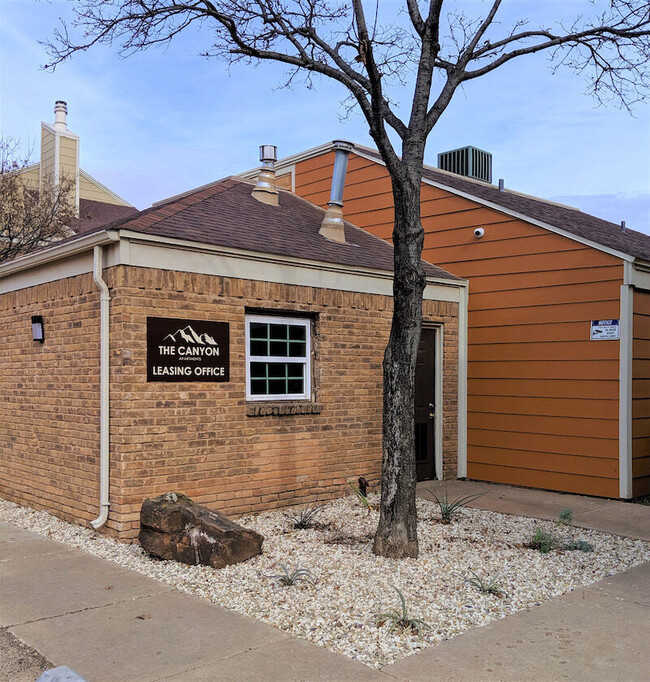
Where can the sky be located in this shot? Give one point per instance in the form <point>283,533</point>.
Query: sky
<point>167,120</point>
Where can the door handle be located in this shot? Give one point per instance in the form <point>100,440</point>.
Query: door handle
<point>432,413</point>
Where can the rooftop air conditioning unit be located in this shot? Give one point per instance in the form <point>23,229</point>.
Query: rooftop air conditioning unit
<point>468,161</point>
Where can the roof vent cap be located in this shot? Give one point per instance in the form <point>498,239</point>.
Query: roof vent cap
<point>265,189</point>
<point>60,114</point>
<point>468,161</point>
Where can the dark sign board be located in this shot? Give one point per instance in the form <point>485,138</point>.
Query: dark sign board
<point>187,350</point>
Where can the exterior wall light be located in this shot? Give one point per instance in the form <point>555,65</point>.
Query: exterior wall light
<point>37,328</point>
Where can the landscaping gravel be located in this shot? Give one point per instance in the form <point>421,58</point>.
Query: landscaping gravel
<point>353,586</point>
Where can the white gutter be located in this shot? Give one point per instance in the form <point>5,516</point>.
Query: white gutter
<point>57,251</point>
<point>98,267</point>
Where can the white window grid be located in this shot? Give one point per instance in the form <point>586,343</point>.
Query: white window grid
<point>306,361</point>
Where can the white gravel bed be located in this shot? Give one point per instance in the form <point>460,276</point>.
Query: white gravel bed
<point>354,586</point>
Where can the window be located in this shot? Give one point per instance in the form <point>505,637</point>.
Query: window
<point>277,358</point>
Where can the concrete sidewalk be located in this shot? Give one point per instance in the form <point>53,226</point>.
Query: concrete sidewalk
<point>109,623</point>
<point>610,516</point>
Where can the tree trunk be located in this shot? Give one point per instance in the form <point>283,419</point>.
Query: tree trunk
<point>396,535</point>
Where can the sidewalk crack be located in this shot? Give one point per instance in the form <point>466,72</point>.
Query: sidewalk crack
<point>90,608</point>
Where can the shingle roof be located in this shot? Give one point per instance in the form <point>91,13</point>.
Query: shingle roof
<point>94,214</point>
<point>225,214</point>
<point>565,218</point>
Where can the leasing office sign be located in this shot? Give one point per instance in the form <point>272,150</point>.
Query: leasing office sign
<point>187,350</point>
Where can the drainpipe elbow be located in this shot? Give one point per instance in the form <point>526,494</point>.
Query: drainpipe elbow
<point>102,518</point>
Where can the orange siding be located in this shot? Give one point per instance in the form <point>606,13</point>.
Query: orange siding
<point>641,395</point>
<point>542,398</point>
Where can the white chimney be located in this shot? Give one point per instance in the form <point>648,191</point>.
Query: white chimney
<point>265,189</point>
<point>60,114</point>
<point>333,227</point>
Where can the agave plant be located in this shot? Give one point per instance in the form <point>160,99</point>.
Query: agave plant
<point>289,578</point>
<point>449,509</point>
<point>401,618</point>
<point>303,518</point>
<point>363,500</point>
<point>488,586</point>
<point>565,517</point>
<point>579,546</point>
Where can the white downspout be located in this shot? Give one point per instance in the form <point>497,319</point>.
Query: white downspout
<point>462,380</point>
<point>98,267</point>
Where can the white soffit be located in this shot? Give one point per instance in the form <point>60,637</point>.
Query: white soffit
<point>175,254</point>
<point>149,251</point>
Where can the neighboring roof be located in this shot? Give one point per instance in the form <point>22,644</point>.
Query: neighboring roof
<point>94,214</point>
<point>565,218</point>
<point>225,214</point>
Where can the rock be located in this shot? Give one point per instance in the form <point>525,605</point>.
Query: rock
<point>172,526</point>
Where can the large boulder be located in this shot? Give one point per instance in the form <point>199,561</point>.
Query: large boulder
<point>172,526</point>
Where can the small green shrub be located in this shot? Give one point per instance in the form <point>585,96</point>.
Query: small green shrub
<point>449,509</point>
<point>579,546</point>
<point>304,518</point>
<point>543,541</point>
<point>289,578</point>
<point>565,518</point>
<point>489,585</point>
<point>401,618</point>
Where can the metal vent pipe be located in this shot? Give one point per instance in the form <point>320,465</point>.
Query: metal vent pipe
<point>333,227</point>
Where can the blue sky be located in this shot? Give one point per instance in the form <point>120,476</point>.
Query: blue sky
<point>165,121</point>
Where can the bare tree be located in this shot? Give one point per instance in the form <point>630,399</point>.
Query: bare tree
<point>30,216</point>
<point>368,53</point>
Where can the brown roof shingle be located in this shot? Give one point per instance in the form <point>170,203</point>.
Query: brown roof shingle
<point>94,214</point>
<point>571,220</point>
<point>225,214</point>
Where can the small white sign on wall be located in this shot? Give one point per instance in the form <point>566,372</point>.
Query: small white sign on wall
<point>604,330</point>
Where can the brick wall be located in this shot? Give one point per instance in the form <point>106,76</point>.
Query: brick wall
<point>202,439</point>
<point>49,398</point>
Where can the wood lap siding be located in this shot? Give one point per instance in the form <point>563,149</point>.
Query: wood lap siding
<point>641,395</point>
<point>542,397</point>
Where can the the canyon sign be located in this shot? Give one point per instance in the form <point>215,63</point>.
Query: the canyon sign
<point>187,350</point>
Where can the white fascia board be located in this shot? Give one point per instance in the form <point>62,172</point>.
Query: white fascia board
<point>143,250</point>
<point>510,212</point>
<point>177,254</point>
<point>67,263</point>
<point>57,252</point>
<point>638,275</point>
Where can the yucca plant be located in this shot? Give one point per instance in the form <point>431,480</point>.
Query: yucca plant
<point>289,578</point>
<point>488,586</point>
<point>303,518</point>
<point>363,500</point>
<point>401,618</point>
<point>449,509</point>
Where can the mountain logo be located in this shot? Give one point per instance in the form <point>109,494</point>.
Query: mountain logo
<point>188,335</point>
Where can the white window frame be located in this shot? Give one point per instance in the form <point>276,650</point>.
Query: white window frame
<point>306,361</point>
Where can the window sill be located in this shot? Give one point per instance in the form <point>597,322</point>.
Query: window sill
<point>281,409</point>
